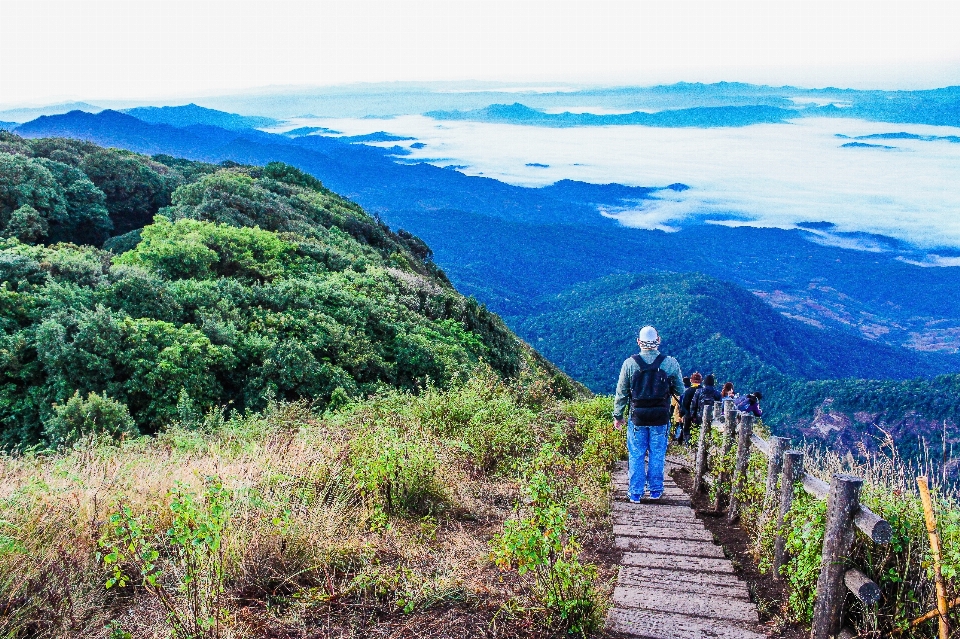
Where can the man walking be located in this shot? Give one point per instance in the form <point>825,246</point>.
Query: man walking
<point>647,381</point>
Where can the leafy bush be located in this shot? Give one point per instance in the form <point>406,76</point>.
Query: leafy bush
<point>539,541</point>
<point>395,469</point>
<point>498,436</point>
<point>806,522</point>
<point>97,415</point>
<point>195,543</point>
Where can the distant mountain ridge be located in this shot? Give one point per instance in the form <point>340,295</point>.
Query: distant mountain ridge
<point>708,325</point>
<point>25,114</point>
<point>691,117</point>
<point>191,114</point>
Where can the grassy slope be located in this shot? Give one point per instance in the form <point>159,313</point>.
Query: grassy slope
<point>357,523</point>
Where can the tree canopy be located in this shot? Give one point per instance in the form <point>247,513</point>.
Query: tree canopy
<point>248,284</point>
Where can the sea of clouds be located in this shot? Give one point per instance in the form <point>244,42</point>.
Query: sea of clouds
<point>771,175</point>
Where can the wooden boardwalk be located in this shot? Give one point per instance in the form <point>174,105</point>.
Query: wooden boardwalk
<point>674,582</point>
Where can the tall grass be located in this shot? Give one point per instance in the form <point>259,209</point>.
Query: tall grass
<point>231,524</point>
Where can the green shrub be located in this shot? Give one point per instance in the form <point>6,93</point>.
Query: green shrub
<point>97,415</point>
<point>805,522</point>
<point>193,544</point>
<point>499,435</point>
<point>395,469</point>
<point>539,541</point>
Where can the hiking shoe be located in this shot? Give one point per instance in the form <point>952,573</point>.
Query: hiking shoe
<point>655,496</point>
<point>634,499</point>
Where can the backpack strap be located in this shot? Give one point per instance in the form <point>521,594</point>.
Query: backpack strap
<point>654,365</point>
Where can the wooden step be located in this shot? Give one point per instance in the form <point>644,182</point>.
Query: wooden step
<point>682,547</point>
<point>709,582</point>
<point>681,602</point>
<point>660,530</point>
<point>650,624</point>
<point>676,562</point>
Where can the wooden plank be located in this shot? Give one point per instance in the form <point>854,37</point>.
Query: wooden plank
<point>621,489</point>
<point>649,512</point>
<point>656,522</point>
<point>680,602</point>
<point>671,547</point>
<point>667,490</point>
<point>651,507</point>
<point>641,521</point>
<point>663,501</point>
<point>675,562</point>
<point>694,584</point>
<point>668,493</point>
<point>664,625</point>
<point>665,531</point>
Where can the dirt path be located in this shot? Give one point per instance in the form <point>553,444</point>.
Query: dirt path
<point>674,581</point>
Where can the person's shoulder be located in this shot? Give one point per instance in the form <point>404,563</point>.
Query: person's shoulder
<point>670,359</point>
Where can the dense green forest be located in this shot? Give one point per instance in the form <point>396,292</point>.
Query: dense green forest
<point>137,291</point>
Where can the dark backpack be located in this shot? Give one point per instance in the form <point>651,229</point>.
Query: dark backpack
<point>650,393</point>
<point>700,401</point>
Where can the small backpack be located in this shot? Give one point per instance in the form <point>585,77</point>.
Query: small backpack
<point>700,401</point>
<point>650,393</point>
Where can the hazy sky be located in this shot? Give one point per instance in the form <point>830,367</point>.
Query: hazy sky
<point>135,49</point>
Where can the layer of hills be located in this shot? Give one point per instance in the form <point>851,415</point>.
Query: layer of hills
<point>176,286</point>
<point>518,249</point>
<point>517,113</point>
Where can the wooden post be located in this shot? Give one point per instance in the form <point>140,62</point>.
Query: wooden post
<point>838,536</point>
<point>931,522</point>
<point>792,472</point>
<point>778,445</point>
<point>703,449</point>
<point>740,470</point>
<point>729,432</point>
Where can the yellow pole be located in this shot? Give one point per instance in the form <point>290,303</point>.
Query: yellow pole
<point>935,549</point>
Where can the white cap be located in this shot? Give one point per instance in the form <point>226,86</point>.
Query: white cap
<point>648,334</point>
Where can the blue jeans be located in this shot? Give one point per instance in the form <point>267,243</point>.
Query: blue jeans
<point>645,472</point>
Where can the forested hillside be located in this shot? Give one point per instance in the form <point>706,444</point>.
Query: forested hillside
<point>820,385</point>
<point>252,284</point>
<point>708,325</point>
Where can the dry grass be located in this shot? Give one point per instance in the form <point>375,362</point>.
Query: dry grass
<point>306,551</point>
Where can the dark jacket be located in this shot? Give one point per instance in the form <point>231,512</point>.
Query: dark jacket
<point>710,392</point>
<point>705,392</point>
<point>687,399</point>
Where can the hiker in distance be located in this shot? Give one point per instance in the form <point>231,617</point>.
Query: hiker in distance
<point>647,382</point>
<point>686,410</point>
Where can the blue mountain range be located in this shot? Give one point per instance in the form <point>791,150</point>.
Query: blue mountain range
<point>192,114</point>
<point>693,117</point>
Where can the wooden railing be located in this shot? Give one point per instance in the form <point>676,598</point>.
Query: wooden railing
<point>845,513</point>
